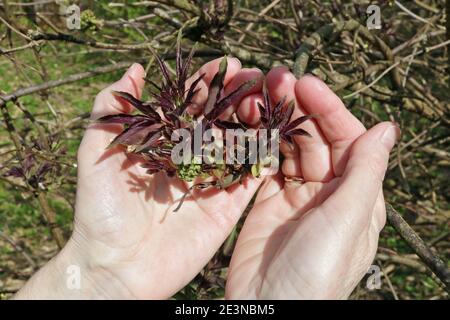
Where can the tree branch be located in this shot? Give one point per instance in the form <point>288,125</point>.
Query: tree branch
<point>433,262</point>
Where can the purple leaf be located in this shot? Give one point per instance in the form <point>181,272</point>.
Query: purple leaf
<point>298,132</point>
<point>267,104</point>
<point>187,63</point>
<point>16,172</point>
<point>43,169</point>
<point>227,101</point>
<point>222,124</point>
<point>28,163</point>
<point>145,108</point>
<point>135,134</point>
<point>216,86</point>
<point>122,118</point>
<point>179,56</point>
<point>193,89</point>
<point>190,94</point>
<point>150,141</point>
<point>162,67</point>
<point>296,123</point>
<point>284,115</point>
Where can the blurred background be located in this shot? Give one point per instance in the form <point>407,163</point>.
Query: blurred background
<point>387,60</point>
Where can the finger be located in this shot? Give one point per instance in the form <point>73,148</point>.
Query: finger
<point>248,111</point>
<point>304,197</point>
<point>336,122</point>
<point>208,70</point>
<point>354,200</point>
<point>379,213</point>
<point>242,193</point>
<point>231,202</point>
<point>314,157</point>
<point>98,136</point>
<point>271,186</point>
<point>131,82</point>
<point>239,79</point>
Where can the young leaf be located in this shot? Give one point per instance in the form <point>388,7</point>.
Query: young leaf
<point>227,101</point>
<point>135,134</point>
<point>162,67</point>
<point>298,132</point>
<point>223,124</point>
<point>145,108</point>
<point>296,122</point>
<point>122,118</point>
<point>216,86</point>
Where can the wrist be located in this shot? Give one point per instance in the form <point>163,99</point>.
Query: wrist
<point>72,274</point>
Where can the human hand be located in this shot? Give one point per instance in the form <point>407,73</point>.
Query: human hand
<point>127,240</point>
<point>315,239</point>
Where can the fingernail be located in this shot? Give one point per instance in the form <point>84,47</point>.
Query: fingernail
<point>390,136</point>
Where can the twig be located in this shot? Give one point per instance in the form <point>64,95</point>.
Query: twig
<point>263,12</point>
<point>19,249</point>
<point>50,216</point>
<point>412,14</point>
<point>435,263</point>
<point>92,43</point>
<point>422,51</point>
<point>388,280</point>
<point>303,53</point>
<point>56,83</point>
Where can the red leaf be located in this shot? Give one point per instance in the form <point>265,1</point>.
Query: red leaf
<point>135,134</point>
<point>122,118</point>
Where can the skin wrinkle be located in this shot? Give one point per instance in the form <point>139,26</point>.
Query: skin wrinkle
<point>274,256</point>
<point>250,260</point>
<point>111,276</point>
<point>281,263</point>
<point>312,190</point>
<point>299,276</point>
<point>340,156</point>
<point>95,270</point>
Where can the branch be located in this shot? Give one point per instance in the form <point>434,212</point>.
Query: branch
<point>19,249</point>
<point>56,83</point>
<point>92,43</point>
<point>303,53</point>
<point>50,216</point>
<point>435,263</point>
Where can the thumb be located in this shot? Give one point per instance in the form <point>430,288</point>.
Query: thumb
<point>364,173</point>
<point>99,135</point>
<point>131,82</point>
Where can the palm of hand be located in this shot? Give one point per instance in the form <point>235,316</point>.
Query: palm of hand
<point>125,219</point>
<point>314,239</point>
<point>292,245</point>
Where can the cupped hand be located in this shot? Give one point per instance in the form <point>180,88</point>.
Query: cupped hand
<point>313,231</point>
<point>125,227</point>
